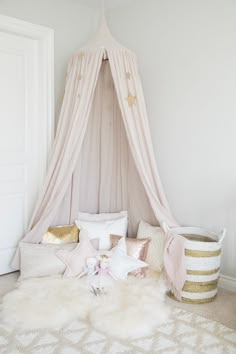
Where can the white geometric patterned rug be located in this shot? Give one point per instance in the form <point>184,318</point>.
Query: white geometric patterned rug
<point>184,333</point>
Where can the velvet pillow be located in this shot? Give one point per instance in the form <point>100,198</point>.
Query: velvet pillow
<point>136,248</point>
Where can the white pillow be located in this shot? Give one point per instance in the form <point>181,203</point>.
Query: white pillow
<point>102,216</point>
<point>40,260</point>
<point>103,229</point>
<point>156,246</point>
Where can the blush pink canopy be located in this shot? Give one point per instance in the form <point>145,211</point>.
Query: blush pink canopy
<point>102,159</point>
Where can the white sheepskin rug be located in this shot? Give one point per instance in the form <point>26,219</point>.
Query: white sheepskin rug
<point>130,309</point>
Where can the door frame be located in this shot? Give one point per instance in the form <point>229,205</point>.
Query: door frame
<point>45,38</point>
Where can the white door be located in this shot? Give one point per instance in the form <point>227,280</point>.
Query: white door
<point>22,139</point>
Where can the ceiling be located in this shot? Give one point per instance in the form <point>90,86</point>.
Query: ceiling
<point>108,4</point>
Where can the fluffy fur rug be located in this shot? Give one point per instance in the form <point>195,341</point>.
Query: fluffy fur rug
<point>130,309</point>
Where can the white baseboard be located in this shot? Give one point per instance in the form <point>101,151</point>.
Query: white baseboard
<point>227,283</point>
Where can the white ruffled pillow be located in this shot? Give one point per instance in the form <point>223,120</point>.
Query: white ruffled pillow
<point>102,229</point>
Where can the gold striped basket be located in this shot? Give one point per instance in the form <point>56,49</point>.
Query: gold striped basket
<point>202,252</point>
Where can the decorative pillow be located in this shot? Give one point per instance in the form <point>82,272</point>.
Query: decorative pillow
<point>121,264</point>
<point>40,260</point>
<point>103,229</point>
<point>102,216</point>
<point>136,248</point>
<point>75,260</point>
<point>156,247</point>
<point>61,234</point>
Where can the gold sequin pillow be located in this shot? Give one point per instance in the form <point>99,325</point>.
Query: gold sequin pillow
<point>61,234</point>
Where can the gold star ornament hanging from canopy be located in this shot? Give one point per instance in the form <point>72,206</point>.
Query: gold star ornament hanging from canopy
<point>131,100</point>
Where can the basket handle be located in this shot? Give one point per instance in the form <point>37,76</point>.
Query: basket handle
<point>164,226</point>
<point>222,235</point>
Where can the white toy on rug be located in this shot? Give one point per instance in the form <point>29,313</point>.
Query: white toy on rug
<point>104,265</point>
<point>104,278</point>
<point>90,268</point>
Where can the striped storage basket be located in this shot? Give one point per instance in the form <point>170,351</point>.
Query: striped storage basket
<point>202,252</point>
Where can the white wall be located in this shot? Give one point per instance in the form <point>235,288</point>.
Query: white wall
<point>73,25</point>
<point>187,55</point>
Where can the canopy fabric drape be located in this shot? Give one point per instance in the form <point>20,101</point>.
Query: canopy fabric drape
<point>102,159</point>
<point>105,178</point>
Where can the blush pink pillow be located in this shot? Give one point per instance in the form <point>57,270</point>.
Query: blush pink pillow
<point>75,260</point>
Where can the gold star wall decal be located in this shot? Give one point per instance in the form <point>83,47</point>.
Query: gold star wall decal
<point>128,75</point>
<point>131,100</point>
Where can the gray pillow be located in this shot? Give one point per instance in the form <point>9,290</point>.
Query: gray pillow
<point>40,260</point>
